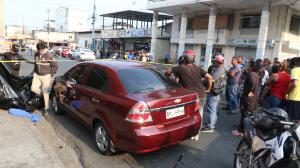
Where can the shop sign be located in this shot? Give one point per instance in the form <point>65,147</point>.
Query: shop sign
<point>138,33</point>
<point>247,42</point>
<point>123,33</point>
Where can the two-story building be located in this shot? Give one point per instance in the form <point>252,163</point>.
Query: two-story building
<point>255,29</point>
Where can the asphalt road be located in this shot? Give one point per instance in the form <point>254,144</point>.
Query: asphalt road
<point>213,150</point>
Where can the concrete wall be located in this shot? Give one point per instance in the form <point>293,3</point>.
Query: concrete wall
<point>201,22</point>
<point>61,19</point>
<point>163,46</point>
<point>68,20</point>
<point>77,20</point>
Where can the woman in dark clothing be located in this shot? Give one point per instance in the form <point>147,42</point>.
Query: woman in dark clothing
<point>249,100</point>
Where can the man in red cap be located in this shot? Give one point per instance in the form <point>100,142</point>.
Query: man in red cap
<point>190,77</point>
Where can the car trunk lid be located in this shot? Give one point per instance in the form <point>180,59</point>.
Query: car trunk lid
<point>169,106</point>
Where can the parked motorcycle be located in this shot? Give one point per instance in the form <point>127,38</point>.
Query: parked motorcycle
<point>270,141</point>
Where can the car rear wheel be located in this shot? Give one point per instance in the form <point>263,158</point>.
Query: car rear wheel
<point>55,106</point>
<point>103,141</point>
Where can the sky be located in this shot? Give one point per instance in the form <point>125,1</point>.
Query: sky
<point>33,13</point>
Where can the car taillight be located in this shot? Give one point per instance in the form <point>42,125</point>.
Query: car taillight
<point>197,106</point>
<point>139,113</point>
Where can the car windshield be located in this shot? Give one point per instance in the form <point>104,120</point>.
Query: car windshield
<point>140,80</point>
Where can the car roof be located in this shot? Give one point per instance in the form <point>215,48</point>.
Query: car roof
<point>118,65</point>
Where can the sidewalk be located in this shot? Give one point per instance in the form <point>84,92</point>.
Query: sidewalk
<point>22,144</point>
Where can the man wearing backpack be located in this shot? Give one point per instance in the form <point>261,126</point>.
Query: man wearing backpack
<point>218,74</point>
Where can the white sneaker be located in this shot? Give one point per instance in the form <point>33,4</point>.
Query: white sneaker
<point>196,138</point>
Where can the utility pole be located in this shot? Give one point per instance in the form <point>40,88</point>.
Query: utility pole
<point>23,28</point>
<point>48,27</point>
<point>93,31</point>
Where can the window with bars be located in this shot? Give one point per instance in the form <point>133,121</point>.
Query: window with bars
<point>295,24</point>
<point>250,21</point>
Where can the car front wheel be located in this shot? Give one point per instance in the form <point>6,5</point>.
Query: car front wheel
<point>103,141</point>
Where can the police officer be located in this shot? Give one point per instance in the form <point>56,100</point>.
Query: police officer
<point>15,57</point>
<point>45,67</point>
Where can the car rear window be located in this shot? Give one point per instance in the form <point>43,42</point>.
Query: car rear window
<point>140,80</point>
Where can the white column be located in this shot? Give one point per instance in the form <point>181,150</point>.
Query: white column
<point>154,35</point>
<point>263,30</point>
<point>236,32</point>
<point>175,26</point>
<point>210,36</point>
<point>174,37</point>
<point>173,53</point>
<point>182,34</point>
<point>198,54</point>
<point>281,24</point>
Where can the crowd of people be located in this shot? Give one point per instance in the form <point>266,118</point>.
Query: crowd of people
<point>141,55</point>
<point>250,84</point>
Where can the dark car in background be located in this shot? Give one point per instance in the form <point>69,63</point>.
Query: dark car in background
<point>129,106</point>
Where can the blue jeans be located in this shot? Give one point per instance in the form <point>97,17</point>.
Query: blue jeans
<point>233,95</point>
<point>275,102</point>
<point>201,104</point>
<point>212,102</point>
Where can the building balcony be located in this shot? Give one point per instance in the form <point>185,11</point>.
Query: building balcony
<point>200,36</point>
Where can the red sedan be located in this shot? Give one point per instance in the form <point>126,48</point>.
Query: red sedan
<point>130,106</point>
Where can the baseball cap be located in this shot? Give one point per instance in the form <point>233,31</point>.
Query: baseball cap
<point>219,58</point>
<point>189,53</point>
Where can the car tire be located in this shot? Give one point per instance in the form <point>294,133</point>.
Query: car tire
<point>55,106</point>
<point>102,140</point>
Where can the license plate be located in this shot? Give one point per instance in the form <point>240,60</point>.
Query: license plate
<point>176,112</point>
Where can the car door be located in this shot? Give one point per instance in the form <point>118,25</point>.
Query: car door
<point>69,88</point>
<point>93,95</point>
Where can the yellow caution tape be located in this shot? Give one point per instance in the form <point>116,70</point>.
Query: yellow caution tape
<point>28,61</point>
